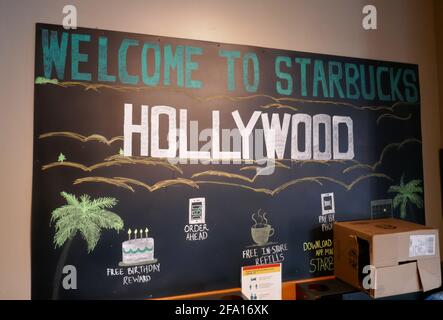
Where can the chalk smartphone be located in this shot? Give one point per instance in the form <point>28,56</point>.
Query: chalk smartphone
<point>196,210</point>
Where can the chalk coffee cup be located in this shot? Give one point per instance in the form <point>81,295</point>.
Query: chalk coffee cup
<point>261,233</point>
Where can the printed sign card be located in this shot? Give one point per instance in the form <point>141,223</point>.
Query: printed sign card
<point>262,282</point>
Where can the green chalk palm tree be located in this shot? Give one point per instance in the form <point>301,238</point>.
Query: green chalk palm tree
<point>407,193</point>
<point>85,216</point>
<point>61,157</point>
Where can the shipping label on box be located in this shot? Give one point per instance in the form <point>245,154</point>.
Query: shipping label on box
<point>421,245</point>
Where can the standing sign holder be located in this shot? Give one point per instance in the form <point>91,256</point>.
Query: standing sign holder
<point>262,282</point>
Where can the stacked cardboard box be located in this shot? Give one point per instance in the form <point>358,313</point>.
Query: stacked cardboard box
<point>387,257</point>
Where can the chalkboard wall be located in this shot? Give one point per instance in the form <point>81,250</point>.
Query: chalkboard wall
<point>163,165</point>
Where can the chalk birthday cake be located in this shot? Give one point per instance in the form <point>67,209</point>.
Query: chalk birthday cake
<point>138,252</point>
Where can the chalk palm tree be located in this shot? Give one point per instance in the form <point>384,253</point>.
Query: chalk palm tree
<point>407,193</point>
<point>61,157</point>
<point>85,216</point>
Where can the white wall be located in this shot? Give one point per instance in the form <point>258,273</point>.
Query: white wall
<point>406,34</point>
